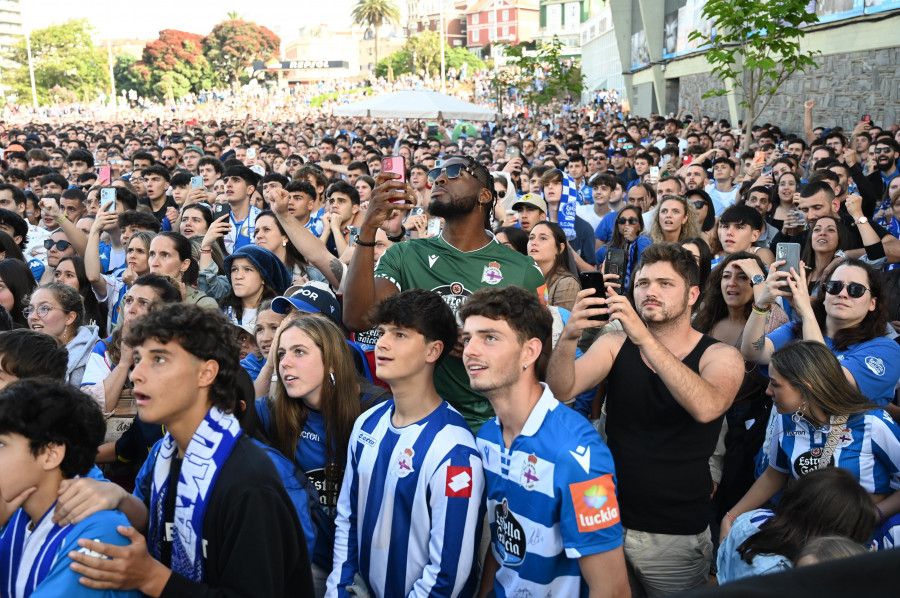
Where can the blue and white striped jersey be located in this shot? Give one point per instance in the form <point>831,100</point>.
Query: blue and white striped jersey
<point>551,500</point>
<point>411,507</point>
<point>869,448</point>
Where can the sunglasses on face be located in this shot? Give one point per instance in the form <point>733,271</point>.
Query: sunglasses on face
<point>453,171</point>
<point>854,289</point>
<point>699,204</point>
<point>628,147</point>
<point>626,220</point>
<point>882,150</point>
<point>60,245</point>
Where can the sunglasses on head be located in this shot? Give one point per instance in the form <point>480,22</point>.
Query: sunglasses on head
<point>626,220</point>
<point>452,171</point>
<point>854,289</point>
<point>60,245</point>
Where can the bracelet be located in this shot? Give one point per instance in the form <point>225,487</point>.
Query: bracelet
<point>60,219</point>
<point>758,310</point>
<point>358,241</point>
<point>729,515</point>
<point>400,237</point>
<point>206,251</point>
<point>274,378</point>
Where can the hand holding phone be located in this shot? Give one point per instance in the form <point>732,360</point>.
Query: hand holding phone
<point>108,198</point>
<point>196,182</point>
<point>593,279</point>
<point>394,165</point>
<point>790,254</point>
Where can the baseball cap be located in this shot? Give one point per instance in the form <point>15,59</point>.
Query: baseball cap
<point>530,199</point>
<point>313,297</point>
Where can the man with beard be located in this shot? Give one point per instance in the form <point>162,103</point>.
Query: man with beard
<point>462,259</point>
<point>886,152</point>
<point>668,388</point>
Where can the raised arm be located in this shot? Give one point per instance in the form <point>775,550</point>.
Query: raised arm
<point>93,268</point>
<point>808,120</point>
<point>306,243</point>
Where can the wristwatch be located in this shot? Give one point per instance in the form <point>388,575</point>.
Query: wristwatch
<point>757,279</point>
<point>862,220</point>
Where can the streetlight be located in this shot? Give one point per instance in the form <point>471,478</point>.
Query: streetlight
<point>31,69</point>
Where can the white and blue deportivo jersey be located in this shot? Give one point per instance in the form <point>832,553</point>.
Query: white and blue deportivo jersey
<point>35,563</point>
<point>551,500</point>
<point>869,448</point>
<point>411,507</point>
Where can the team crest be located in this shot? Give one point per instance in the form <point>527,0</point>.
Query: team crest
<point>846,438</point>
<point>404,465</point>
<point>529,473</point>
<point>492,274</point>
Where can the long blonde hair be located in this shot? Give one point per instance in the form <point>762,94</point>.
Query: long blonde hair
<point>340,404</point>
<point>690,228</point>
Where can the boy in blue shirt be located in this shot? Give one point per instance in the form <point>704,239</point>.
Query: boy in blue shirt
<point>49,432</point>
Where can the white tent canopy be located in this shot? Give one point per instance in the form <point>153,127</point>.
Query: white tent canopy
<point>416,103</point>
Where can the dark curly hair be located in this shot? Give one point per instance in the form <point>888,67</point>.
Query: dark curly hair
<point>28,354</point>
<point>52,412</point>
<point>204,333</point>
<point>422,311</point>
<point>521,310</point>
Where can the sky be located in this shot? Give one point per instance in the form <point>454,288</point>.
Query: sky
<point>145,20</point>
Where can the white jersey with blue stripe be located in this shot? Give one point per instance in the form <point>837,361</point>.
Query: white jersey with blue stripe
<point>869,448</point>
<point>411,507</point>
<point>551,500</point>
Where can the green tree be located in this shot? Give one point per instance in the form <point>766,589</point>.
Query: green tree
<point>756,48</point>
<point>65,58</point>
<point>540,75</point>
<point>397,63</point>
<point>456,57</point>
<point>176,65</point>
<point>425,49</point>
<point>233,45</point>
<point>129,75</point>
<point>374,14</point>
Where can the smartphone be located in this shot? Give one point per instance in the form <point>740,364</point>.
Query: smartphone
<point>416,211</point>
<point>866,118</point>
<point>667,158</point>
<point>196,182</point>
<point>258,169</point>
<point>593,279</point>
<point>220,209</point>
<point>654,173</point>
<point>687,159</point>
<point>790,252</point>
<point>615,262</point>
<point>512,153</point>
<point>759,157</point>
<point>103,175</point>
<point>251,152</point>
<point>352,231</point>
<point>108,197</point>
<point>434,226</point>
<point>438,163</point>
<point>766,170</point>
<point>395,165</point>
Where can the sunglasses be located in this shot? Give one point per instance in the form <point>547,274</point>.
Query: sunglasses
<point>60,245</point>
<point>628,147</point>
<point>854,289</point>
<point>699,204</point>
<point>453,171</point>
<point>626,220</point>
<point>882,150</point>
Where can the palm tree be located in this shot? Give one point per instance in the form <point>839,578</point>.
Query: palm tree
<point>374,14</point>
<point>234,15</point>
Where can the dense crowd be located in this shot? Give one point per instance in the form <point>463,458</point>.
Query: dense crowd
<point>254,349</point>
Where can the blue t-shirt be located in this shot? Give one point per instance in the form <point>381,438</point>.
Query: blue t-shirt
<point>732,566</point>
<point>551,499</point>
<point>604,230</point>
<point>874,364</point>
<point>253,365</point>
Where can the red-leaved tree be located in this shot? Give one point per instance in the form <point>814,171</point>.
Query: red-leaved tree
<point>233,45</point>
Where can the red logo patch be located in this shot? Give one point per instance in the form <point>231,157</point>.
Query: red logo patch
<point>459,481</point>
<point>595,503</point>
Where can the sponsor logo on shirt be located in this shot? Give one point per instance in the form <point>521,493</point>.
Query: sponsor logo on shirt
<point>454,295</point>
<point>459,481</point>
<point>404,465</point>
<point>595,503</point>
<point>529,473</point>
<point>431,260</point>
<point>510,542</point>
<point>366,439</point>
<point>876,365</point>
<point>809,461</point>
<point>492,274</point>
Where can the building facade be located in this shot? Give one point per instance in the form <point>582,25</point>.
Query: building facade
<point>600,63</point>
<point>563,19</point>
<point>500,21</point>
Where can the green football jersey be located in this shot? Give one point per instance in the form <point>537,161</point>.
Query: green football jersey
<point>436,265</point>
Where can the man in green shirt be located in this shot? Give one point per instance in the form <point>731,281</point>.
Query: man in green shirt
<point>463,258</point>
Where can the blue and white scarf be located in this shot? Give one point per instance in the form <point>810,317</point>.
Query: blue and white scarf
<point>568,200</point>
<point>12,547</point>
<point>206,454</point>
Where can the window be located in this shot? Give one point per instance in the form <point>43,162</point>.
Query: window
<point>457,42</point>
<point>491,17</point>
<point>475,35</point>
<point>505,15</point>
<point>475,19</point>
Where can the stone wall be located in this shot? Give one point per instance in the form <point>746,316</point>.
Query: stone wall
<point>845,86</point>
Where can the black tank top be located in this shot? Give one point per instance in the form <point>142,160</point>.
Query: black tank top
<point>661,453</point>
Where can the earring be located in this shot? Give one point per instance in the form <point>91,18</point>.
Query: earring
<point>284,243</point>
<point>798,415</point>
<point>524,367</point>
<point>332,378</point>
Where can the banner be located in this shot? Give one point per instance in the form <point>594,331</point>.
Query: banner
<point>640,53</point>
